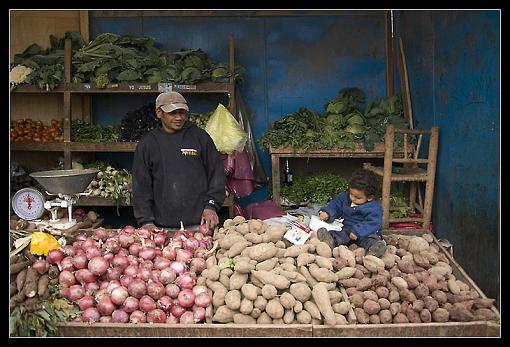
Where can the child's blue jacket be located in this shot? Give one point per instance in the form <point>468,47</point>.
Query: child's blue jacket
<point>363,219</point>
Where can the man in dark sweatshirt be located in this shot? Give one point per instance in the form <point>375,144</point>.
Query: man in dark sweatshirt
<point>177,171</point>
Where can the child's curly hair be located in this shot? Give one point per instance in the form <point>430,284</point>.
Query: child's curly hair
<point>364,180</point>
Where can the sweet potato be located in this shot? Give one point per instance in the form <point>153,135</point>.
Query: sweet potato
<point>345,272</point>
<point>349,282</point>
<point>395,308</point>
<point>440,315</point>
<point>374,319</point>
<point>312,309</point>
<point>335,296</point>
<point>298,306</point>
<point>237,248</point>
<point>264,319</point>
<point>253,238</point>
<point>323,262</point>
<point>19,266</point>
<point>413,316</point>
<point>263,251</point>
<point>345,253</point>
<point>323,275</point>
<point>370,295</point>
<point>304,317</point>
<point>246,306</point>
<point>229,240</point>
<point>458,314</point>
<point>323,250</point>
<point>394,296</point>
<point>287,300</point>
<point>310,280</point>
<point>20,279</point>
<point>417,244</point>
<point>399,282</point>
<point>382,292</point>
<point>364,284</point>
<point>385,316</point>
<point>239,318</point>
<point>260,303</point>
<point>484,314</point>
<point>42,285</point>
<point>453,286</point>
<point>361,316</point>
<point>371,307</point>
<point>267,265</point>
<point>341,307</point>
<point>218,298</point>
<point>12,289</point>
<point>233,299</point>
<point>269,291</point>
<point>483,303</point>
<point>339,263</point>
<point>340,319</point>
<point>357,300</point>
<point>384,303</point>
<point>223,315</point>
<point>295,250</point>
<point>300,291</point>
<point>359,253</point>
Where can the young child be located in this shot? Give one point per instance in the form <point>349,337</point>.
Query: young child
<point>362,215</point>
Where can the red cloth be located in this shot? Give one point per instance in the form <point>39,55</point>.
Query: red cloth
<point>239,176</point>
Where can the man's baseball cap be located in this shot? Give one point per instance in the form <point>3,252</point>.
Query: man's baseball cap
<point>171,101</point>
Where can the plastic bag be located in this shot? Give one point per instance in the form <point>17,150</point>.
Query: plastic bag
<point>41,243</point>
<point>227,134</point>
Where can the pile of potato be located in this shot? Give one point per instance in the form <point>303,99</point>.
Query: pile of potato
<point>275,282</point>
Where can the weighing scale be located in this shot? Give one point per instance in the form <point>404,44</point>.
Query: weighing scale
<point>66,185</point>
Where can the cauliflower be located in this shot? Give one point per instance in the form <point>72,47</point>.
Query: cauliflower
<point>19,74</point>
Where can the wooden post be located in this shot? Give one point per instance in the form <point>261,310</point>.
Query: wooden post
<point>275,165</point>
<point>67,104</point>
<point>232,87</point>
<point>388,161</point>
<point>431,170</point>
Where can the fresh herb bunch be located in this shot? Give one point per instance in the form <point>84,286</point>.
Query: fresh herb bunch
<point>137,123</point>
<point>81,131</point>
<point>400,205</point>
<point>315,188</point>
<point>41,317</point>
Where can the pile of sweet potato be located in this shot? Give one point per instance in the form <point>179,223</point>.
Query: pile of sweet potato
<point>258,277</point>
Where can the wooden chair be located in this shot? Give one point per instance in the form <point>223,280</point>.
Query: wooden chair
<point>410,172</point>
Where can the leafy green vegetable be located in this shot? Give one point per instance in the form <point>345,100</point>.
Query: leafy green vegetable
<point>318,188</point>
<point>81,131</point>
<point>400,205</point>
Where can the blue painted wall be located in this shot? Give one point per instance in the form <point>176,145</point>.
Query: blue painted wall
<point>290,61</point>
<point>453,61</point>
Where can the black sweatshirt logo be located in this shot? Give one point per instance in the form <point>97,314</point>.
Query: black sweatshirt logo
<point>189,152</point>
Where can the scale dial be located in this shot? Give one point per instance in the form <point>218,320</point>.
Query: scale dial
<point>28,203</point>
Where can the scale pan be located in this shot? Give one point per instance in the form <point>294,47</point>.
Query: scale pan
<point>65,181</point>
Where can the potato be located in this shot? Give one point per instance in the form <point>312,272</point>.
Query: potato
<point>240,318</point>
<point>417,244</point>
<point>359,253</point>
<point>324,262</point>
<point>361,316</point>
<point>421,291</point>
<point>371,307</point>
<point>305,259</point>
<point>388,260</point>
<point>413,316</point>
<point>339,263</point>
<point>364,284</point>
<point>260,303</point>
<point>304,317</point>
<point>349,282</point>
<point>357,300</point>
<point>300,291</point>
<point>237,248</point>
<point>395,308</point>
<point>394,296</point>
<point>267,265</point>
<point>374,319</point>
<point>310,280</point>
<point>243,228</point>
<point>400,318</point>
<point>340,319</point>
<point>399,282</point>
<point>484,314</point>
<point>384,303</point>
<point>274,309</point>
<point>430,303</point>
<point>345,272</point>
<point>406,266</point>
<point>312,309</point>
<point>233,299</point>
<point>418,305</point>
<point>440,296</point>
<point>385,316</point>
<point>341,307</point>
<point>288,267</point>
<point>372,263</point>
<point>483,303</point>
<point>264,319</point>
<point>440,315</point>
<point>223,315</point>
<point>323,250</point>
<point>278,281</point>
<point>250,291</point>
<point>335,296</point>
<point>246,306</point>
<point>269,291</point>
<point>459,314</point>
<point>323,275</point>
<point>255,313</point>
<point>370,295</point>
<point>421,260</point>
<point>237,280</point>
<point>412,281</point>
<point>263,251</point>
<point>298,306</point>
<point>453,286</point>
<point>229,240</point>
<point>275,232</point>
<point>382,292</point>
<point>425,316</point>
<point>253,238</point>
<point>345,253</point>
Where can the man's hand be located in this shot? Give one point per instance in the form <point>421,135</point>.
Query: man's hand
<point>209,218</point>
<point>323,215</point>
<point>352,236</point>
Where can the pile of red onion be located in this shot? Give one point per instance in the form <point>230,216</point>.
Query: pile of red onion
<point>135,275</point>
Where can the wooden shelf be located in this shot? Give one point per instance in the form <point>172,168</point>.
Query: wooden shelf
<point>100,201</point>
<point>103,147</point>
<point>32,89</point>
<point>34,146</point>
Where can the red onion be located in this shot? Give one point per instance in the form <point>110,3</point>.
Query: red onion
<point>84,276</point>
<point>134,249</point>
<point>146,264</point>
<point>169,252</point>
<point>189,233</point>
<point>80,261</point>
<point>120,316</point>
<point>81,237</point>
<point>120,261</point>
<point>172,290</point>
<point>167,276</point>
<point>187,318</point>
<point>108,257</point>
<point>64,291</point>
<point>175,244</point>
<point>41,266</point>
<point>197,265</point>
<point>89,243</point>
<point>130,304</point>
<point>131,270</point>
<point>98,265</point>
<point>76,292</point>
<point>183,255</point>
<point>164,303</point>
<point>191,244</point>
<point>128,229</point>
<point>123,252</point>
<point>66,278</point>
<point>177,310</point>
<point>146,303</point>
<point>145,274</point>
<point>69,250</point>
<point>113,273</point>
<point>156,316</point>
<point>179,235</point>
<point>112,285</point>
<point>160,238</point>
<point>90,315</point>
<point>198,314</point>
<point>105,319</point>
<point>186,298</point>
<point>119,295</point>
<point>200,252</point>
<point>199,289</point>
<point>78,319</point>
<point>92,252</point>
<point>155,275</point>
<point>185,281</point>
<point>149,243</point>
<point>66,264</point>
<point>137,288</point>
<point>105,306</point>
<point>91,288</point>
<point>111,246</point>
<point>85,302</point>
<point>178,267</point>
<point>203,229</point>
<point>100,233</point>
<point>55,256</point>
<point>155,290</point>
<point>171,319</point>
<point>147,253</point>
<point>203,299</point>
<point>132,259</point>
<point>100,294</point>
<point>137,317</point>
<point>126,240</point>
<point>202,244</point>
<point>161,263</point>
<point>125,280</point>
<point>103,284</point>
<point>143,232</point>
